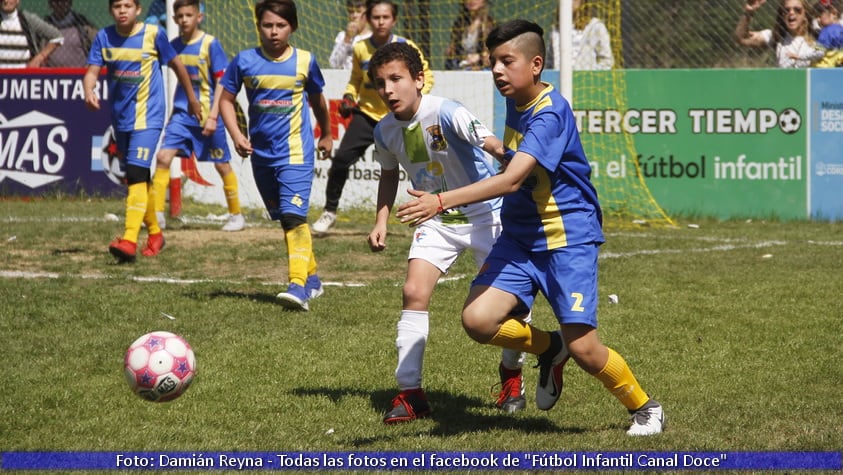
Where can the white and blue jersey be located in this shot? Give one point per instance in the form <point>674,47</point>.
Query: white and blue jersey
<point>440,150</point>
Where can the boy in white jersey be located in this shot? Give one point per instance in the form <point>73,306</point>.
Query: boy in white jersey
<point>205,60</point>
<point>440,144</point>
<point>551,233</point>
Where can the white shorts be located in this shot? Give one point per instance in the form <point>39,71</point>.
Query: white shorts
<point>441,245</point>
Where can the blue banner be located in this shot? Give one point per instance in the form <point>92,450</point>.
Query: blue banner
<point>430,461</point>
<point>49,140</point>
<point>826,170</point>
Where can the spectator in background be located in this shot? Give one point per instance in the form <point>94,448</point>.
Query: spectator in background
<point>792,36</point>
<point>831,34</point>
<point>362,103</point>
<point>26,41</point>
<point>592,45</point>
<point>78,34</point>
<point>467,49</point>
<point>356,30</point>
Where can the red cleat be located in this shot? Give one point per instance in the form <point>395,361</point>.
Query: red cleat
<point>123,250</point>
<point>154,244</point>
<point>408,405</point>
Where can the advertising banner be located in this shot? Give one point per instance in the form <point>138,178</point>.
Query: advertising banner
<point>49,140</point>
<point>719,143</point>
<point>826,139</point>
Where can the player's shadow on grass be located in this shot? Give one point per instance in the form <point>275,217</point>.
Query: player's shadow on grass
<point>453,414</point>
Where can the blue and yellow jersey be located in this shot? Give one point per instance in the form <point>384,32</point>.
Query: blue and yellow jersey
<point>280,127</point>
<point>557,204</point>
<point>361,87</point>
<point>205,61</point>
<point>135,83</point>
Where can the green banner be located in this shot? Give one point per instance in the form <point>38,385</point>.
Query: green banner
<point>722,143</point>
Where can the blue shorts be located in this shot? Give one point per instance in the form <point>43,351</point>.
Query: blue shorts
<point>566,276</point>
<point>138,146</point>
<point>188,138</point>
<point>284,189</point>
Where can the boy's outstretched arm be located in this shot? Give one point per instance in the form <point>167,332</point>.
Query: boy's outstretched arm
<point>426,205</point>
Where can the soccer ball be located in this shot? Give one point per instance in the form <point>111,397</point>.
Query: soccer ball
<point>112,164</point>
<point>159,366</point>
<point>790,121</point>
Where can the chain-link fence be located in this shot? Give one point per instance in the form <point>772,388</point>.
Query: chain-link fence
<point>655,33</point>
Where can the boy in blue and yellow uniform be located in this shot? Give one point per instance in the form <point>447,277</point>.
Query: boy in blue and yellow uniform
<point>133,53</point>
<point>205,60</point>
<point>280,82</point>
<point>552,230</point>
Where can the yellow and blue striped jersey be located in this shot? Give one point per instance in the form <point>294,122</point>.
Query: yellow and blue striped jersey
<point>361,87</point>
<point>280,127</point>
<point>135,83</point>
<point>557,204</point>
<point>205,61</point>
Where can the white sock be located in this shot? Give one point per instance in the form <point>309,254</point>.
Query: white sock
<point>514,359</point>
<point>412,338</point>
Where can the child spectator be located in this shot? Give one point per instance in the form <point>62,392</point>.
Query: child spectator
<point>355,30</point>
<point>362,104</point>
<point>831,34</point>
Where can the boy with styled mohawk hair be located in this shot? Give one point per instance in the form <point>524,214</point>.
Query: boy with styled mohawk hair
<point>552,231</point>
<point>133,53</point>
<point>281,80</point>
<point>440,144</point>
<point>205,60</point>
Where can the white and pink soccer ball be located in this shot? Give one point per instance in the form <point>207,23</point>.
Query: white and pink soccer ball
<point>159,366</point>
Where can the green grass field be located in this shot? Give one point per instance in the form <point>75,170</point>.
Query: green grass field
<point>735,327</point>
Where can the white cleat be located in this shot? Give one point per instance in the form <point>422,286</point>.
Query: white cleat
<point>236,222</point>
<point>648,420</point>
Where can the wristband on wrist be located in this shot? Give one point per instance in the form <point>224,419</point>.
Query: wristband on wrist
<point>440,209</point>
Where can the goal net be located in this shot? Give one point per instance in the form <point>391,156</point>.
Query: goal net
<point>624,194</point>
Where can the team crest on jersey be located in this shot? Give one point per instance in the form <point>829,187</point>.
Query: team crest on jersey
<point>437,140</point>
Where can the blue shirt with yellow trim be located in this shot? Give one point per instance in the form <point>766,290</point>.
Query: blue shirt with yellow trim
<point>135,83</point>
<point>557,204</point>
<point>205,61</point>
<point>280,129</point>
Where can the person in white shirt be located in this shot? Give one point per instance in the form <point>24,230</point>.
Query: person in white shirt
<point>26,40</point>
<point>357,29</point>
<point>592,44</point>
<point>792,37</point>
<point>441,146</point>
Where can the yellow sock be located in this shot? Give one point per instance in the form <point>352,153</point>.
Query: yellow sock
<point>518,335</point>
<point>311,266</point>
<point>232,198</point>
<point>619,380</point>
<point>299,252</point>
<point>149,217</point>
<point>160,182</point>
<point>136,203</point>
